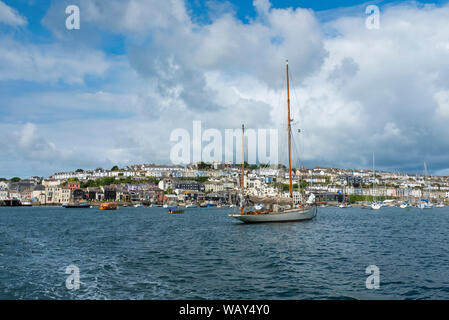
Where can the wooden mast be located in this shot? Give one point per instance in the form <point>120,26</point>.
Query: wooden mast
<point>243,168</point>
<point>289,136</point>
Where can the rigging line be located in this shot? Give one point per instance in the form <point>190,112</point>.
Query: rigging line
<point>298,122</point>
<point>283,124</point>
<point>297,109</point>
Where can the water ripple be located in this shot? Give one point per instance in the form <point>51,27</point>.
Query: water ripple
<point>146,253</point>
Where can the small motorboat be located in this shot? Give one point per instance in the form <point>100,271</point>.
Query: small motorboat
<point>109,206</point>
<point>77,205</point>
<point>376,206</point>
<point>173,211</point>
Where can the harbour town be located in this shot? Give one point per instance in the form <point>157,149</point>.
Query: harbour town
<point>218,184</point>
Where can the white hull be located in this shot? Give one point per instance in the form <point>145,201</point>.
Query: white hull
<point>376,206</point>
<point>296,215</point>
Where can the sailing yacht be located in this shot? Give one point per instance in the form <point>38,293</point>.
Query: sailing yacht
<point>425,203</point>
<point>375,205</point>
<point>276,212</point>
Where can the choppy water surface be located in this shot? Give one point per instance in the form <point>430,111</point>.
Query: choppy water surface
<point>146,253</point>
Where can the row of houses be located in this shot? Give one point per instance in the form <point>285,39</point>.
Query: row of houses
<point>58,194</point>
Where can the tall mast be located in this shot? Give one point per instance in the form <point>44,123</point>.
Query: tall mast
<point>374,178</point>
<point>289,135</point>
<point>243,168</point>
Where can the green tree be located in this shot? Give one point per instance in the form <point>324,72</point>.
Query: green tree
<point>79,170</point>
<point>115,168</point>
<point>16,179</point>
<point>204,166</point>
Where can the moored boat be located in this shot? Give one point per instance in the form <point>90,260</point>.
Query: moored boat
<point>109,206</point>
<point>375,206</point>
<point>173,211</point>
<point>77,205</point>
<point>290,215</point>
<point>275,212</point>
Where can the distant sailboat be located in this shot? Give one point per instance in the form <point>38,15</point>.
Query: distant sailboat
<point>276,212</point>
<point>375,205</point>
<point>425,203</point>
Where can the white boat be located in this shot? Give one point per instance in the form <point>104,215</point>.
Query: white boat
<point>27,203</point>
<point>191,206</point>
<point>376,206</point>
<point>404,205</point>
<point>137,205</point>
<point>276,213</point>
<point>439,205</point>
<point>425,205</point>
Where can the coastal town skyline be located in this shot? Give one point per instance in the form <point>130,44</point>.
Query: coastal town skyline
<point>231,164</point>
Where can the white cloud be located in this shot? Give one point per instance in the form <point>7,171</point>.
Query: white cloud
<point>353,93</point>
<point>49,63</point>
<point>10,16</point>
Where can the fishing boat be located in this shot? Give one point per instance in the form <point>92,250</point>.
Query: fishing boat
<point>137,205</point>
<point>172,211</point>
<point>109,206</point>
<point>189,206</point>
<point>275,212</point>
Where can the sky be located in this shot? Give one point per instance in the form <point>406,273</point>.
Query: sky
<point>113,92</point>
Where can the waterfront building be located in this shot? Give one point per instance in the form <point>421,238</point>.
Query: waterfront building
<point>72,185</point>
<point>4,194</point>
<point>4,185</point>
<point>184,185</point>
<point>213,186</point>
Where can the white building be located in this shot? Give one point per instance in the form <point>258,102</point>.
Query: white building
<point>4,194</point>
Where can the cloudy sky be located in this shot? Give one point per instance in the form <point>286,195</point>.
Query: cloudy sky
<point>113,91</point>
